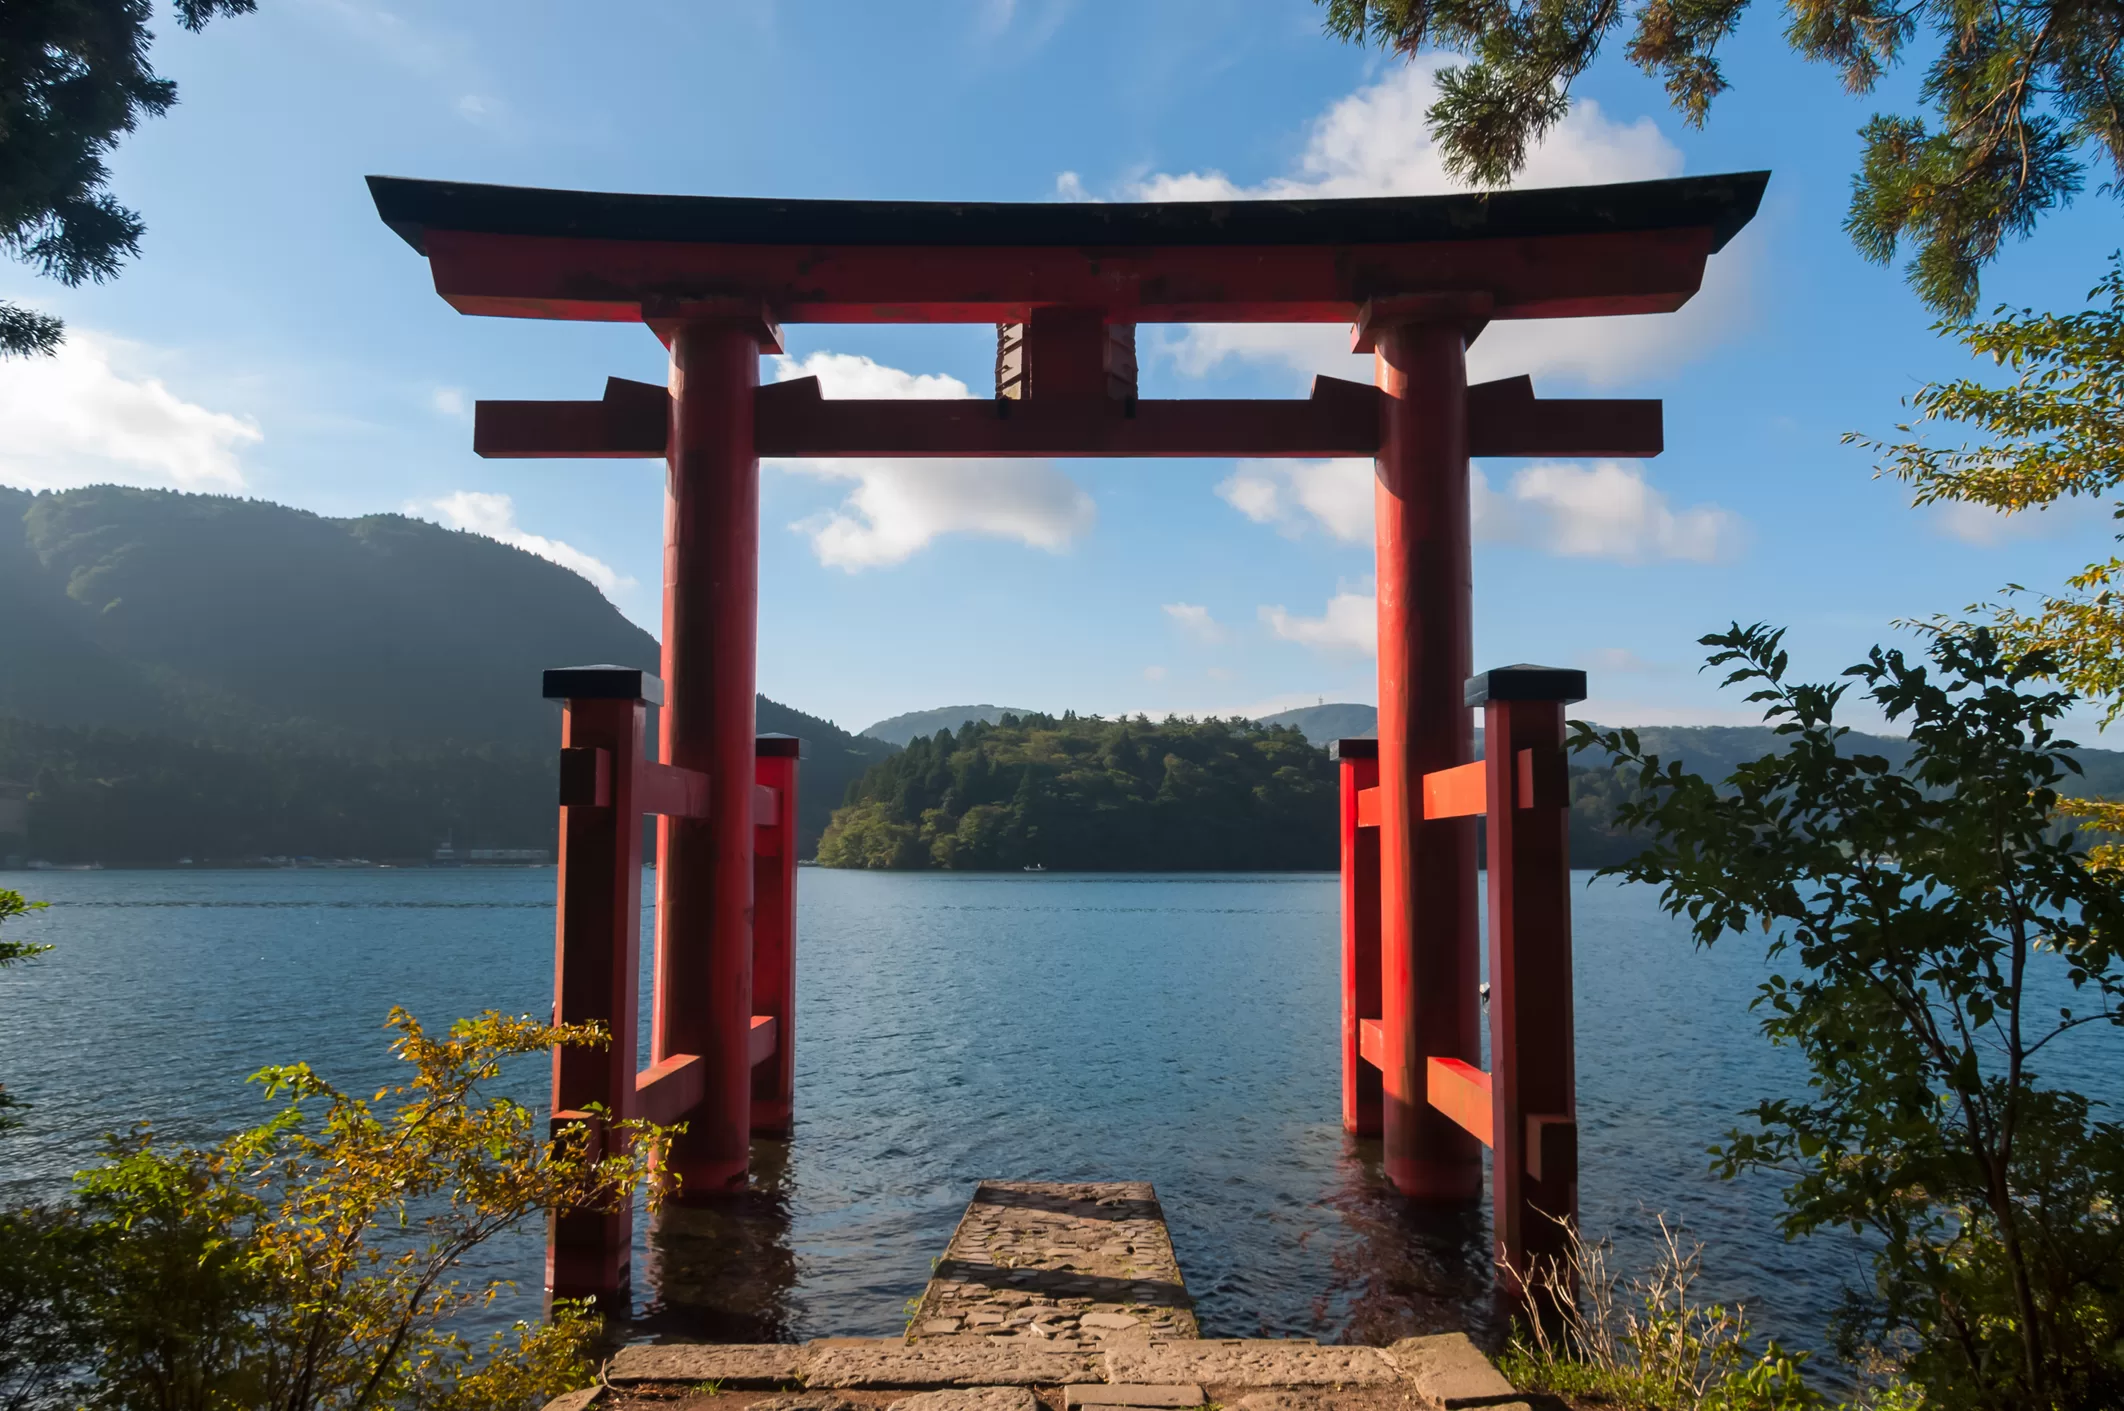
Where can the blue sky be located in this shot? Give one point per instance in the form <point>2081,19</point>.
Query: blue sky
<point>275,340</point>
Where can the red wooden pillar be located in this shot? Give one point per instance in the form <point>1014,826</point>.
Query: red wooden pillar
<point>1359,765</point>
<point>774,930</point>
<point>1533,1073</point>
<point>597,944</point>
<point>704,871</point>
<point>1429,1003</point>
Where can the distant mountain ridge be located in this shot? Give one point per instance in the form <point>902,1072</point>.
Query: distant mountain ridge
<point>241,626</point>
<point>903,730</point>
<point>1710,750</point>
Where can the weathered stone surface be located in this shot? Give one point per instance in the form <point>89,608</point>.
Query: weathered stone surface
<point>1033,1249</point>
<point>1248,1362</point>
<point>1101,1394</point>
<point>804,1401</point>
<point>1450,1372</point>
<point>578,1400</point>
<point>732,1364</point>
<point>972,1399</point>
<point>956,1362</point>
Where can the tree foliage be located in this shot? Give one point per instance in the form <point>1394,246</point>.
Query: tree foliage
<point>2024,96</point>
<point>1946,936</point>
<point>312,1263</point>
<point>74,78</point>
<point>13,907</point>
<point>1082,793</point>
<point>2053,433</point>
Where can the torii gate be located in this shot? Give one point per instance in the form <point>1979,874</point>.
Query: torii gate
<point>1065,285</point>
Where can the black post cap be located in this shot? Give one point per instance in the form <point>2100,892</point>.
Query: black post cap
<point>603,683</point>
<point>1366,748</point>
<point>775,745</point>
<point>1525,683</point>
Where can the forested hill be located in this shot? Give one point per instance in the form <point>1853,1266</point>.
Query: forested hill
<point>167,660</point>
<point>1079,794</point>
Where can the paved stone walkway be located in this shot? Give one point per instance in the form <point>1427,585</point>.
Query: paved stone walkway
<point>1067,1265</point>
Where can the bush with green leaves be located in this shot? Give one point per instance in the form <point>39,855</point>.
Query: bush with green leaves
<point>313,1262</point>
<point>1934,932</point>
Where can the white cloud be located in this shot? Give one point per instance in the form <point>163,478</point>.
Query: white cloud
<point>899,506</point>
<point>1349,624</point>
<point>495,517</point>
<point>1195,620</point>
<point>1605,510</point>
<point>1375,142</point>
<point>855,376</point>
<point>1985,527</point>
<point>1154,673</point>
<point>1619,660</point>
<point>89,414</point>
<point>450,401</point>
<point>1337,494</point>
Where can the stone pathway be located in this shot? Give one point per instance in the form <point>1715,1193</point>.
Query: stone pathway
<point>1071,1265</point>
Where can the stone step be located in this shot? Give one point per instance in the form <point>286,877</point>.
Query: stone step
<point>1058,1263</point>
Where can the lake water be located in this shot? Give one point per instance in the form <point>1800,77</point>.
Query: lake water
<point>1177,1029</point>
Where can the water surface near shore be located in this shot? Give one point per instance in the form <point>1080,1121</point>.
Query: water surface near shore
<point>1177,1029</point>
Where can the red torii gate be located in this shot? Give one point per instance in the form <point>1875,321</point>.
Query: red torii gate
<point>1065,285</point>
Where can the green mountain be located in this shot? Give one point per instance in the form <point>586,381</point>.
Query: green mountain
<point>1331,721</point>
<point>904,729</point>
<point>161,654</point>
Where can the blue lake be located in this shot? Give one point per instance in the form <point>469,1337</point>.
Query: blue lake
<point>1177,1029</point>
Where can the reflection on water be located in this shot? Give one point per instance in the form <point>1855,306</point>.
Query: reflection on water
<point>1181,1030</point>
<point>722,1270</point>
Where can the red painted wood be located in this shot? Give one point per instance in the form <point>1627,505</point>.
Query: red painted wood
<point>1341,419</point>
<point>704,877</point>
<point>1461,1091</point>
<point>761,1039</point>
<point>1429,1001</point>
<point>795,421</point>
<point>585,777</point>
<point>774,938</point>
<point>674,793</point>
<point>671,1089</point>
<point>1360,947</point>
<point>1559,276</point>
<point>1459,792</point>
<point>1532,1064</point>
<point>597,943</point>
<point>1368,805</point>
<point>1371,1044</point>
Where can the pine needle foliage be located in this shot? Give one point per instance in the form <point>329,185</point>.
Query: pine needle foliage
<point>74,79</point>
<point>2024,99</point>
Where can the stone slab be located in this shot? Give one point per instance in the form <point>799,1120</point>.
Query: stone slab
<point>578,1400</point>
<point>1069,1263</point>
<point>969,1399</point>
<point>766,1364</point>
<point>1250,1363</point>
<point>1103,1394</point>
<point>804,1401</point>
<point>954,1362</point>
<point>1451,1373</point>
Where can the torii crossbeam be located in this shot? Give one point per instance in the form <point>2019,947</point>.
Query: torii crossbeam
<point>1065,285</point>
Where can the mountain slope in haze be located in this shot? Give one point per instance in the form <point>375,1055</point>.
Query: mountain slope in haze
<point>1713,751</point>
<point>904,729</point>
<point>1331,721</point>
<point>241,625</point>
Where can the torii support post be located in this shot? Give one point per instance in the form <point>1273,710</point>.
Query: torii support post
<point>597,945</point>
<point>1358,764</point>
<point>704,912</point>
<point>1533,1070</point>
<point>774,875</point>
<point>1429,1003</point>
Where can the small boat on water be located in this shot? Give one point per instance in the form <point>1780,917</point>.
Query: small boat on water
<point>1035,867</point>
